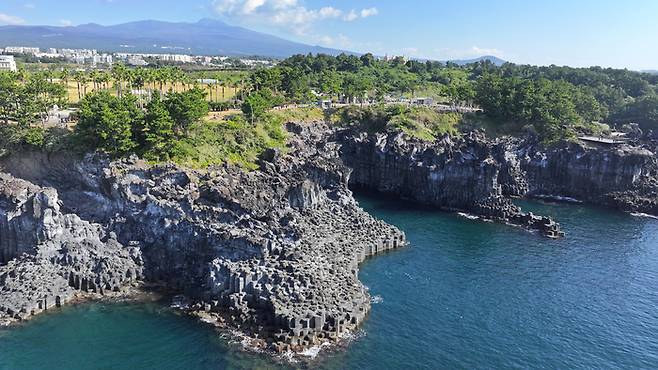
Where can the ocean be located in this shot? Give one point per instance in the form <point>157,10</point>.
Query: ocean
<point>465,294</point>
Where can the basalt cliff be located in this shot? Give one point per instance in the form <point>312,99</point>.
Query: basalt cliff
<point>273,252</point>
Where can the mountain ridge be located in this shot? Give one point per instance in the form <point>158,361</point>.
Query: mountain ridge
<point>205,37</point>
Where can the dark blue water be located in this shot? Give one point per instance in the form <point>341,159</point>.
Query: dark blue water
<point>464,294</point>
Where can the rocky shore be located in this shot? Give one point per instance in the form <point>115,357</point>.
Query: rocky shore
<point>470,174</point>
<point>273,253</point>
<point>623,177</point>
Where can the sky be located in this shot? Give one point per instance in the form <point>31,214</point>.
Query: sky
<point>579,33</point>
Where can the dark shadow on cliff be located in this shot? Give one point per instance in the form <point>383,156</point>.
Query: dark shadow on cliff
<point>58,170</point>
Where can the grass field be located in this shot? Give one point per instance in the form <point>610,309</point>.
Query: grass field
<point>215,93</point>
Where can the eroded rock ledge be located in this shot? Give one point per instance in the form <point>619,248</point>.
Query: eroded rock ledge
<point>469,173</point>
<point>273,252</point>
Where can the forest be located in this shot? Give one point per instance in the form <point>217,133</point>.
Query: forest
<point>162,113</point>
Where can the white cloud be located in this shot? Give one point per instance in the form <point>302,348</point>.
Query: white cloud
<point>290,14</point>
<point>11,19</point>
<point>330,12</point>
<point>472,52</point>
<point>65,22</point>
<point>251,5</point>
<point>29,6</point>
<point>365,13</point>
<point>282,4</point>
<point>340,41</point>
<point>486,51</point>
<point>352,15</point>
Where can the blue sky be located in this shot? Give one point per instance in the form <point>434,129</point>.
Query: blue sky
<point>576,33</point>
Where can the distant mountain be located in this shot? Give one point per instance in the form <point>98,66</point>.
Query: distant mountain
<point>495,60</point>
<point>206,37</point>
<point>651,71</point>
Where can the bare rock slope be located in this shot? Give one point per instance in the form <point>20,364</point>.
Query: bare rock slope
<point>275,252</point>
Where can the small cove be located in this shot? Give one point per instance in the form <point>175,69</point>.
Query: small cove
<point>464,294</point>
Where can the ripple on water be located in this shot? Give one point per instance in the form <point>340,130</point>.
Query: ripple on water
<point>464,294</point>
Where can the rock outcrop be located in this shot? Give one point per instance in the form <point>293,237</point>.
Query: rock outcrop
<point>47,256</point>
<point>623,177</point>
<point>468,174</point>
<point>274,252</point>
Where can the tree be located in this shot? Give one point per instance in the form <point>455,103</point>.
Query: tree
<point>106,122</point>
<point>157,136</point>
<point>81,80</point>
<point>43,95</point>
<point>255,106</point>
<point>119,74</point>
<point>9,90</point>
<point>330,83</point>
<point>643,111</point>
<point>268,78</point>
<point>368,60</point>
<point>187,107</point>
<point>64,77</point>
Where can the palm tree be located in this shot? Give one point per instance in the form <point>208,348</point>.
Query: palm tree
<point>93,76</point>
<point>210,85</point>
<point>179,77</point>
<point>137,81</point>
<point>218,82</point>
<point>104,78</point>
<point>223,85</point>
<point>81,79</point>
<point>64,76</point>
<point>149,78</point>
<point>119,73</point>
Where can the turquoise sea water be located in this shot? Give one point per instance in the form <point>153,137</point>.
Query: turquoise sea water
<point>464,294</point>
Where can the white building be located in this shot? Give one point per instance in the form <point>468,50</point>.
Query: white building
<point>101,59</point>
<point>21,50</point>
<point>7,63</point>
<point>136,61</point>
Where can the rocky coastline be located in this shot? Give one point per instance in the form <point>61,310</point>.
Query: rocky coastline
<point>469,174</point>
<point>275,252</point>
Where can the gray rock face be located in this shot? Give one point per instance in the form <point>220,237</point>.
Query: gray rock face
<point>46,255</point>
<point>275,251</point>
<point>624,177</point>
<point>469,174</point>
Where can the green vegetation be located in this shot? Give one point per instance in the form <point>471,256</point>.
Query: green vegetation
<point>425,123</point>
<point>554,102</point>
<point>303,114</point>
<point>234,141</point>
<point>27,98</point>
<point>165,118</point>
<point>258,103</point>
<point>420,122</point>
<point>24,103</point>
<point>117,125</point>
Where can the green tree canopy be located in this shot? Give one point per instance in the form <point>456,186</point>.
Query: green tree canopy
<point>187,107</point>
<point>107,122</point>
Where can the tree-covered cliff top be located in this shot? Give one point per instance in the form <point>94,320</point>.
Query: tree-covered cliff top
<point>162,115</point>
